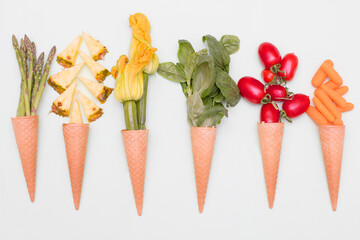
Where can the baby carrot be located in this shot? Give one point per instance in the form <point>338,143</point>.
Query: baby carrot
<point>324,111</point>
<point>325,99</point>
<point>337,98</point>
<point>338,122</point>
<point>320,75</point>
<point>348,107</point>
<point>331,84</point>
<point>316,116</point>
<point>331,73</point>
<point>342,90</point>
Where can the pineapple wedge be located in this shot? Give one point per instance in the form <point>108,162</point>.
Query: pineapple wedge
<point>92,111</point>
<point>99,72</point>
<point>96,49</point>
<point>67,58</point>
<point>62,80</point>
<point>61,106</point>
<point>75,116</point>
<point>99,91</point>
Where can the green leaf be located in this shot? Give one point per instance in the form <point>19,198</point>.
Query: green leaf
<point>211,92</point>
<point>180,68</point>
<point>228,87</point>
<point>204,75</point>
<point>208,102</point>
<point>185,50</point>
<point>195,108</point>
<point>218,52</point>
<point>231,43</point>
<point>212,116</point>
<point>184,88</point>
<point>219,97</point>
<point>169,71</point>
<point>192,61</point>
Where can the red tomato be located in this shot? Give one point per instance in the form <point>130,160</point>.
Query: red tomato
<point>251,89</point>
<point>288,65</point>
<point>269,113</point>
<point>296,106</point>
<point>277,92</point>
<point>268,75</point>
<point>269,55</point>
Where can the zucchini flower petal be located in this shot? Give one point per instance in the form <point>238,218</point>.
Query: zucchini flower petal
<point>152,66</point>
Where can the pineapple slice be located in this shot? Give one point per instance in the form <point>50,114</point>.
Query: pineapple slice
<point>62,80</point>
<point>67,58</point>
<point>99,72</point>
<point>92,111</point>
<point>61,106</point>
<point>99,91</point>
<point>75,116</point>
<point>96,49</point>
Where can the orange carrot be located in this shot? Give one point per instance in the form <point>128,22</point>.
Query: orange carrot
<point>342,90</point>
<point>337,98</point>
<point>331,73</point>
<point>320,75</point>
<point>348,107</point>
<point>325,99</point>
<point>316,116</point>
<point>338,121</point>
<point>331,84</point>
<point>324,111</point>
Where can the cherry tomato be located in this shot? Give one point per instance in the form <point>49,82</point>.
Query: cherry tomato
<point>269,55</point>
<point>268,75</point>
<point>269,113</point>
<point>296,106</point>
<point>288,65</point>
<point>277,92</point>
<point>251,89</point>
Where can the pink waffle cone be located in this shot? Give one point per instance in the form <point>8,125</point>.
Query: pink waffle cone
<point>135,144</point>
<point>26,134</point>
<point>76,138</point>
<point>332,142</point>
<point>203,141</point>
<point>270,138</point>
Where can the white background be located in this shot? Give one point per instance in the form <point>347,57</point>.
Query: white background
<point>236,204</point>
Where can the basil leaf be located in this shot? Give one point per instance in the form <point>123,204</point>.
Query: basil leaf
<point>195,108</point>
<point>219,97</point>
<point>185,50</point>
<point>231,43</point>
<point>228,87</point>
<point>204,75</point>
<point>212,116</point>
<point>180,68</point>
<point>218,52</point>
<point>211,92</point>
<point>208,102</point>
<point>184,88</point>
<point>169,71</point>
<point>192,61</point>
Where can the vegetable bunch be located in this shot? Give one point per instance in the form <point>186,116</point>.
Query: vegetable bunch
<point>204,78</point>
<point>278,71</point>
<point>131,74</point>
<point>33,75</point>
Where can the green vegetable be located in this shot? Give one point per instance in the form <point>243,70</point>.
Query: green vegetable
<point>231,43</point>
<point>33,80</point>
<point>204,79</point>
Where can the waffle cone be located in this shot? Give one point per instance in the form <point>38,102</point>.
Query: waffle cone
<point>203,141</point>
<point>270,138</point>
<point>26,134</point>
<point>76,137</point>
<point>135,144</point>
<point>332,141</point>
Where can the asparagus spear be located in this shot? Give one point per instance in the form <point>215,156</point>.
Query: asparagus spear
<point>30,75</point>
<point>42,82</point>
<point>23,55</point>
<point>25,103</point>
<point>38,71</point>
